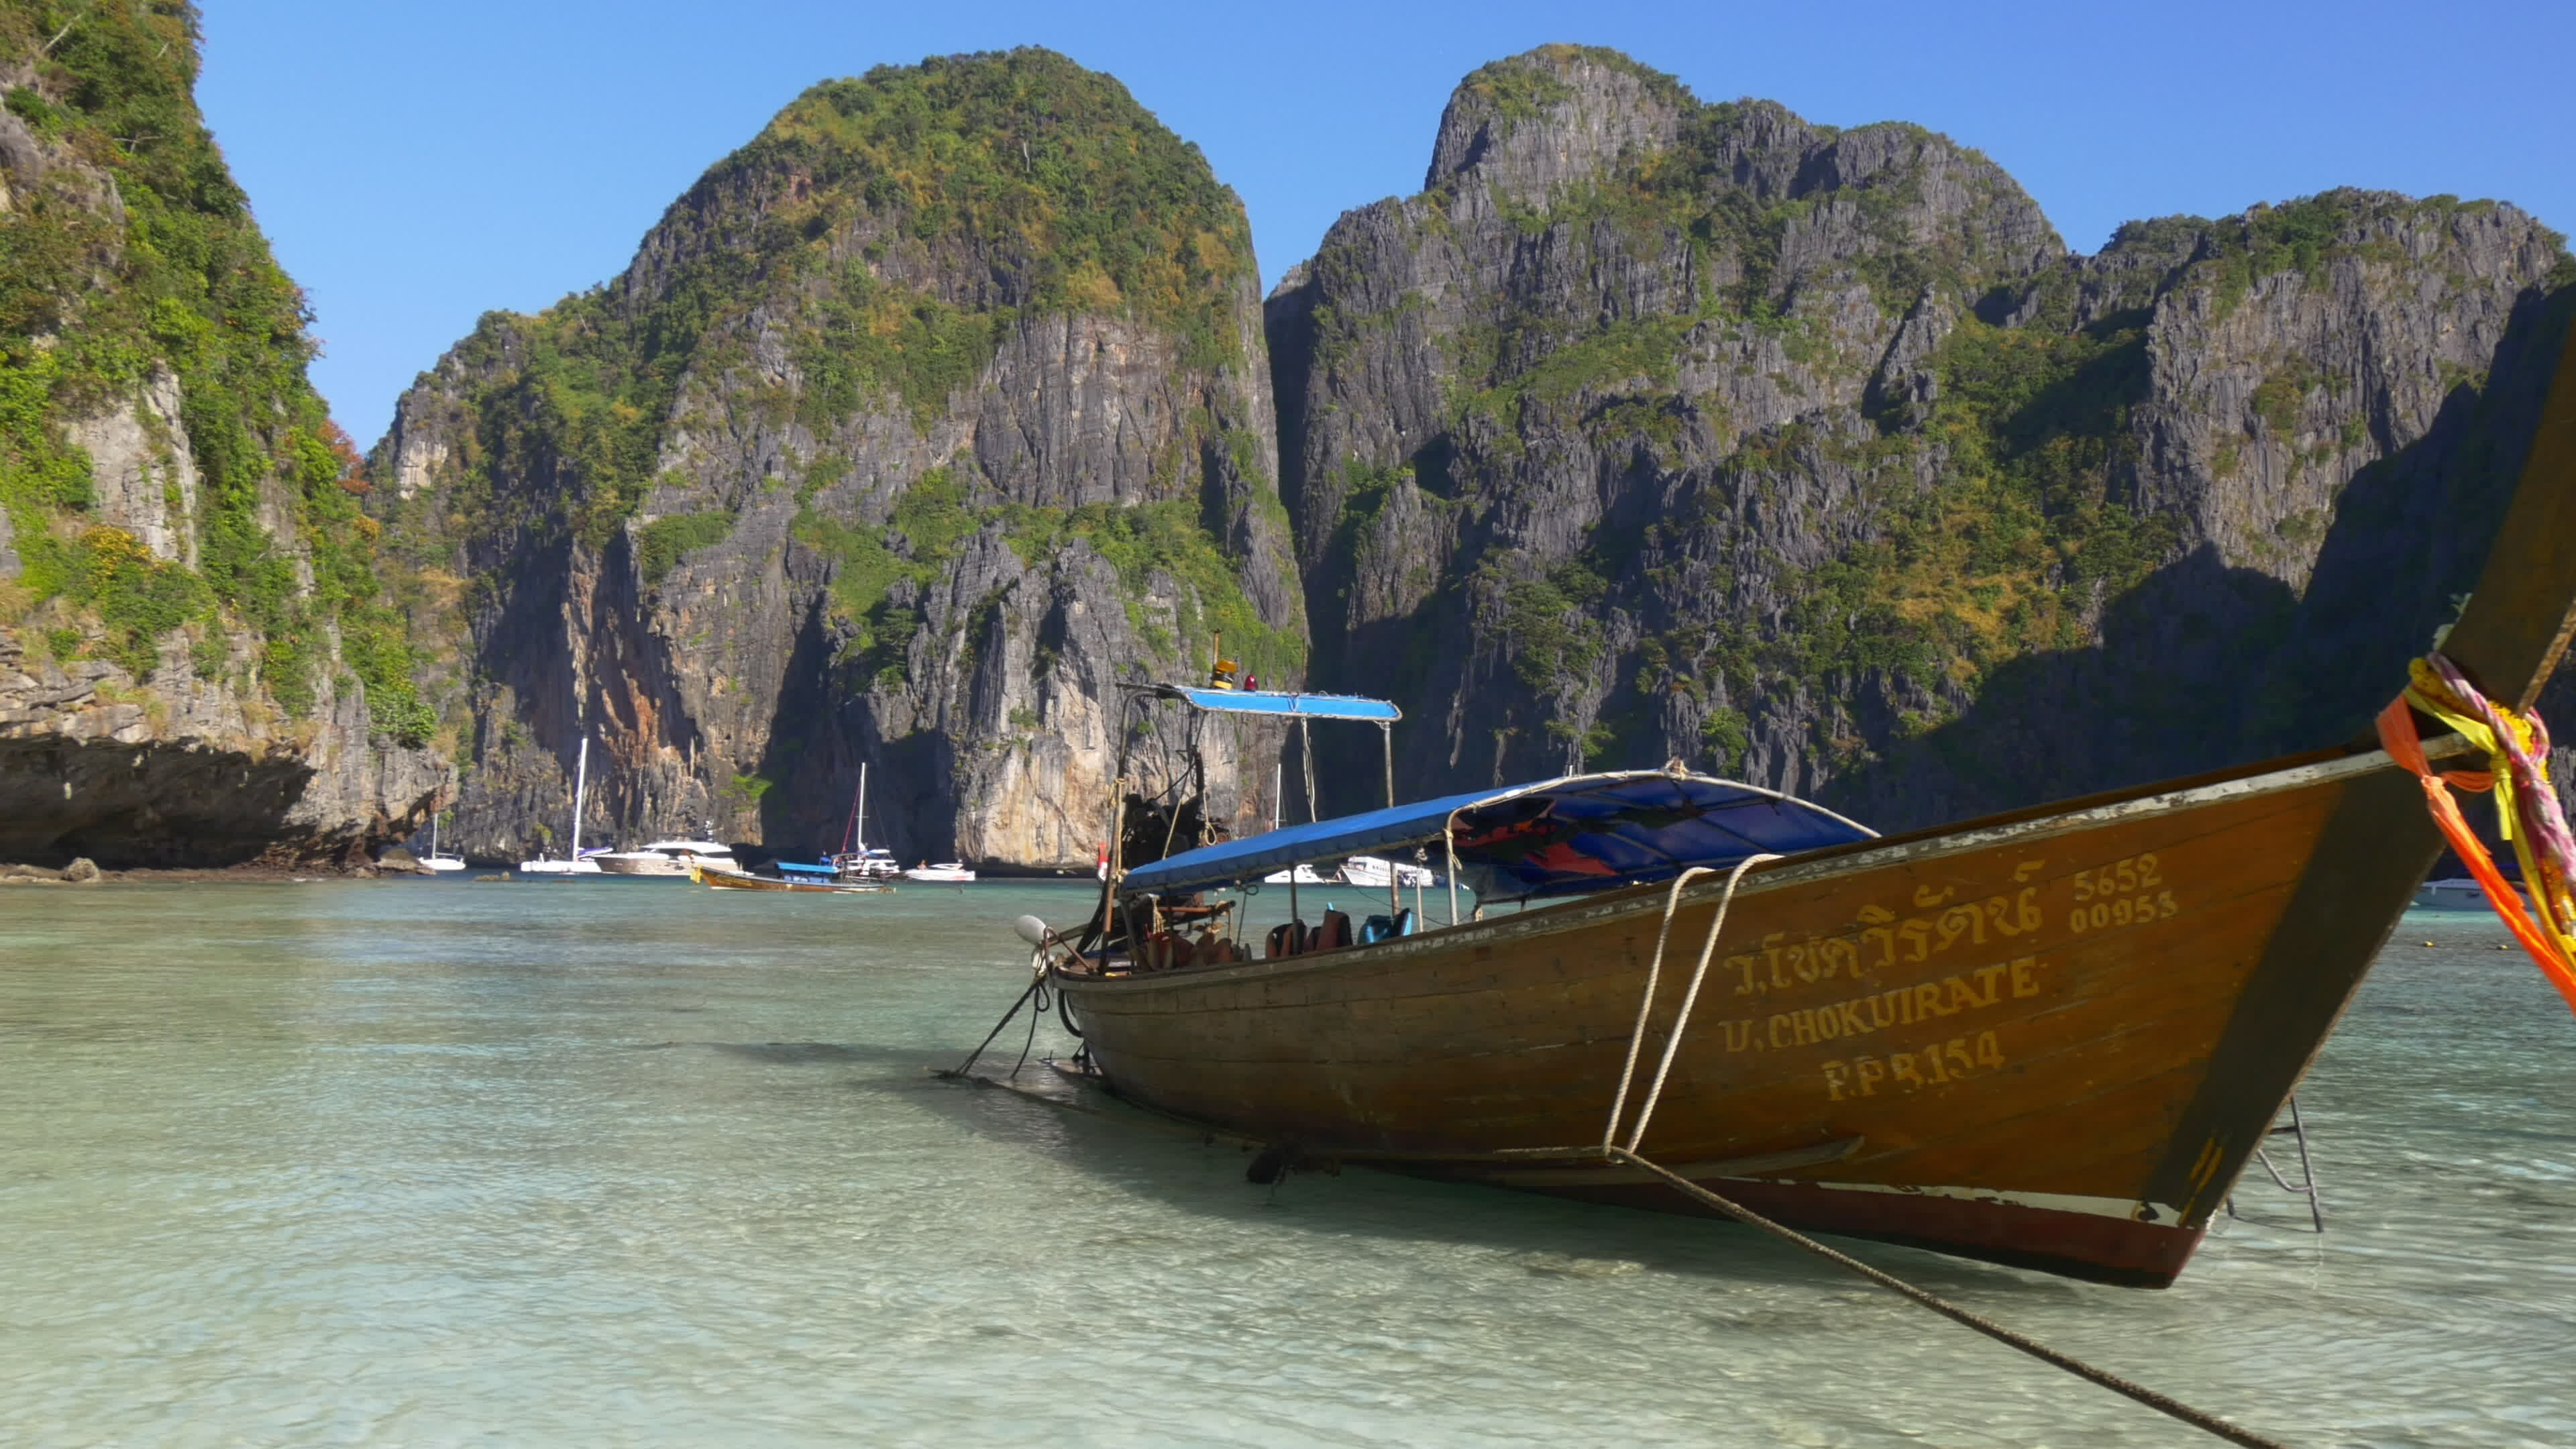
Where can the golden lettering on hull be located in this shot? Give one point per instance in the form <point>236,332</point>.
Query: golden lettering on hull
<point>1936,1065</point>
<point>1903,1006</point>
<point>1885,941</point>
<point>2123,893</point>
<point>2126,911</point>
<point>2126,892</point>
<point>1934,921</point>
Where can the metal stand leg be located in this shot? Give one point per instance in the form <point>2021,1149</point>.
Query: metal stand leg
<point>2296,1129</point>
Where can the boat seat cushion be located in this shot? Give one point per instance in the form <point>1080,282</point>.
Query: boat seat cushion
<point>1333,934</point>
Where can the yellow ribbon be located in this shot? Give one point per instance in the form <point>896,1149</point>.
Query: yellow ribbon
<point>2550,898</point>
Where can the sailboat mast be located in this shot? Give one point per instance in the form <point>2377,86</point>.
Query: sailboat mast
<point>859,816</point>
<point>580,786</point>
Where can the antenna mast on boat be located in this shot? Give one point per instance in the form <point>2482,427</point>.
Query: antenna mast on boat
<point>580,786</point>
<point>856,837</point>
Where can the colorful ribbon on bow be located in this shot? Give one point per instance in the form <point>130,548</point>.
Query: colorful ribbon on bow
<point>2527,812</point>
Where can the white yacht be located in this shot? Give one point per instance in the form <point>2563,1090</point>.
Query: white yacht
<point>668,858</point>
<point>435,861</point>
<point>866,863</point>
<point>2459,893</point>
<point>945,871</point>
<point>856,859</point>
<point>1378,872</point>
<point>1298,874</point>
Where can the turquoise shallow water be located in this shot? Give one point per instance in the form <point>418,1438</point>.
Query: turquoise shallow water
<point>606,1162</point>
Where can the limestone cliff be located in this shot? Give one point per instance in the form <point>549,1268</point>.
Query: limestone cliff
<point>1656,428</point>
<point>913,429</point>
<point>196,664</point>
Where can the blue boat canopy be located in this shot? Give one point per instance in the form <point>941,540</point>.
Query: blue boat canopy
<point>1262,701</point>
<point>1557,837</point>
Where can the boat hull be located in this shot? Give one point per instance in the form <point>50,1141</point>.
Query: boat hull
<point>655,866</point>
<point>2050,1039</point>
<point>727,880</point>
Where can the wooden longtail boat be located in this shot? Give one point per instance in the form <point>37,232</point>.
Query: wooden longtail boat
<point>2049,1038</point>
<point>734,880</point>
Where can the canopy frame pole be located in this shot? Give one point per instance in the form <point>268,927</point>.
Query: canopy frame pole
<point>1297,923</point>
<point>1449,849</point>
<point>1117,832</point>
<point>1394,891</point>
<point>1306,741</point>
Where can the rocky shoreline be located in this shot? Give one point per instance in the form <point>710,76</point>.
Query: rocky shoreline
<point>84,872</point>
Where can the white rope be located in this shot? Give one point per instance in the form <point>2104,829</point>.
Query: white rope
<point>1690,998</point>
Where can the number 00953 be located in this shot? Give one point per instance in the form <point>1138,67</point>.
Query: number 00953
<point>2134,910</point>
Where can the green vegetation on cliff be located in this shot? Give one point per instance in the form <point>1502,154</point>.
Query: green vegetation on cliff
<point>906,221</point>
<point>2014,549</point>
<point>1076,196</point>
<point>162,273</point>
<point>1788,446</point>
<point>2008,552</point>
<point>882,574</point>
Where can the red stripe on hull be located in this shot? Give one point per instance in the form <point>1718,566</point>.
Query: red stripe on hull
<point>2078,1245</point>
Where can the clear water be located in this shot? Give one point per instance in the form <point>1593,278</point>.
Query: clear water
<point>613,1162</point>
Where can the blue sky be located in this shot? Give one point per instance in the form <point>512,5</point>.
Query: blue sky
<point>418,165</point>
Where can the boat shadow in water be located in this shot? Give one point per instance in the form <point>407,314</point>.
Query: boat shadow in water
<point>1204,1177</point>
<point>1211,1178</point>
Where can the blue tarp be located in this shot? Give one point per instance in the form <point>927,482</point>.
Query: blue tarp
<point>1556,837</point>
<point>1256,856</point>
<point>1262,701</point>
<point>789,865</point>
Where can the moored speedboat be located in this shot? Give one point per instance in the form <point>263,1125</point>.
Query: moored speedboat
<point>2460,894</point>
<point>1301,873</point>
<point>946,872</point>
<point>669,858</point>
<point>1377,872</point>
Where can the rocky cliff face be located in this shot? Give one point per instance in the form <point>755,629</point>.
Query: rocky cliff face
<point>914,429</point>
<point>196,665</point>
<point>1653,428</point>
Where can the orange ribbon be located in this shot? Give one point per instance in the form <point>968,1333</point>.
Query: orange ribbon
<point>2397,736</point>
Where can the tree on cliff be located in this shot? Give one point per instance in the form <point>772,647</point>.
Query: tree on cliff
<point>180,560</point>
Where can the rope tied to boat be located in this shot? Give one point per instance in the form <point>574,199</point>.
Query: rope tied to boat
<point>1040,965</point>
<point>2162,1403</point>
<point>2516,744</point>
<point>1612,1150</point>
<point>1690,998</point>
